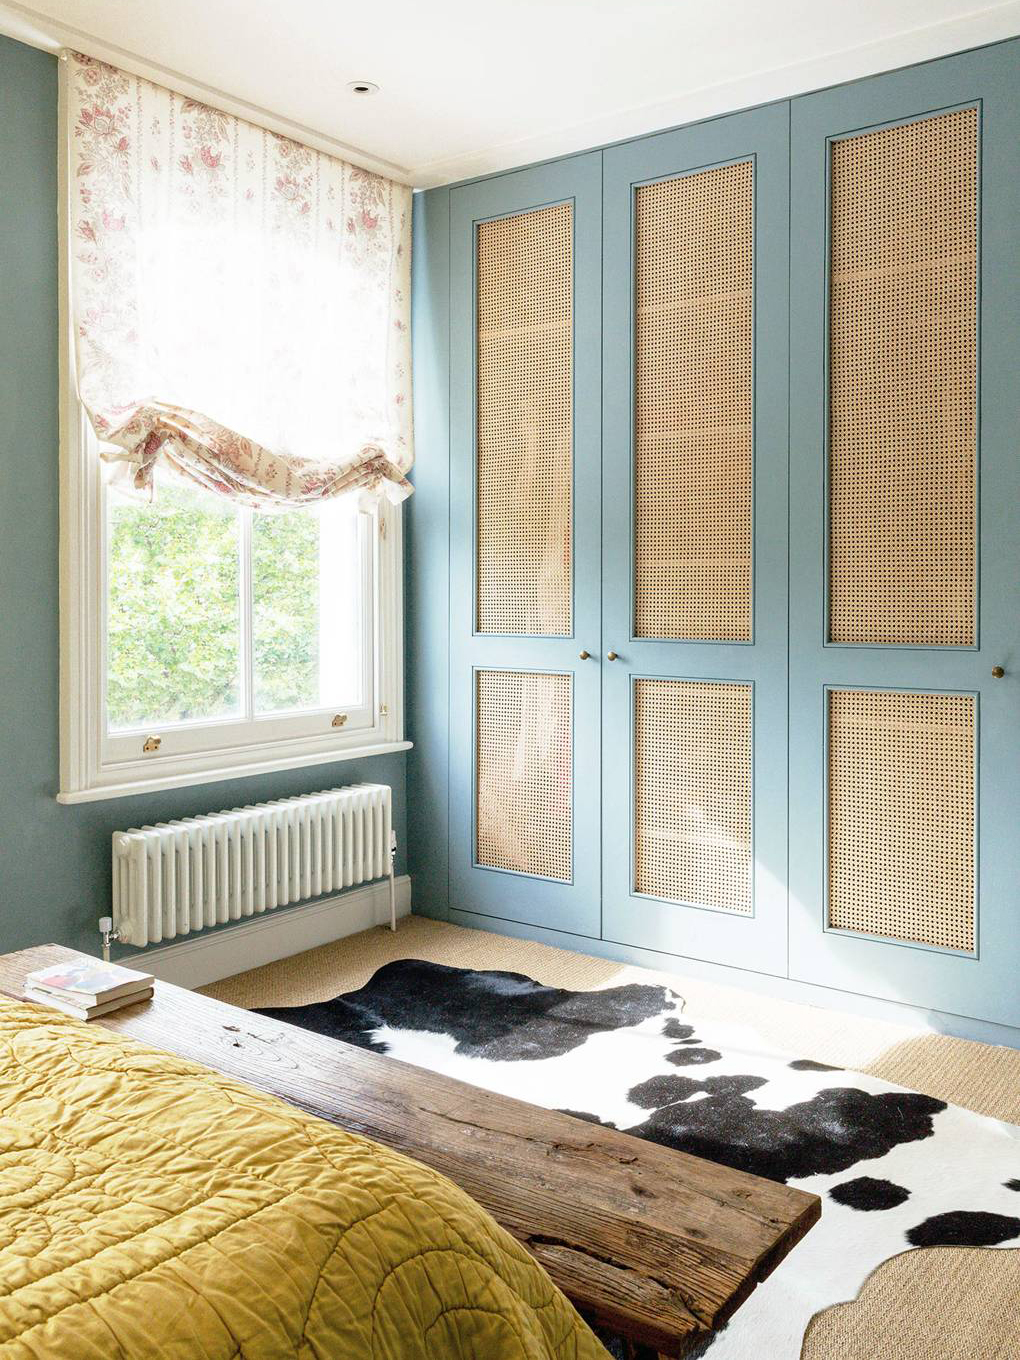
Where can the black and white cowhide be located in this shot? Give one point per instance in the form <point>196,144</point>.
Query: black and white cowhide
<point>894,1169</point>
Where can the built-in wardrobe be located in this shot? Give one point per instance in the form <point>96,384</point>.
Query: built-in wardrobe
<point>714,643</point>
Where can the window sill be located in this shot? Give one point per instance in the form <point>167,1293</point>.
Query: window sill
<point>151,783</point>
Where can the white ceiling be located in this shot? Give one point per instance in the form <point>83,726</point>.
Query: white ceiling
<point>472,86</point>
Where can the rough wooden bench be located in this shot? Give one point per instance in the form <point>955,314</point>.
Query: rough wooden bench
<point>658,1246</point>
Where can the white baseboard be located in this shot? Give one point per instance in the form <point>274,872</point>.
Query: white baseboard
<point>199,960</point>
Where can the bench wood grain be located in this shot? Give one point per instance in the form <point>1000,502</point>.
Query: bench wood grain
<point>659,1246</point>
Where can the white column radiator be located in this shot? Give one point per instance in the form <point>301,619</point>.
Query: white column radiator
<point>178,877</point>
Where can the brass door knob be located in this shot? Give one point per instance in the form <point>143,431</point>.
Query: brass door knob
<point>584,655</point>
<point>611,656</point>
<point>998,672</point>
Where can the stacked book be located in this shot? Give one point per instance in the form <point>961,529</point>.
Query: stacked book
<point>87,987</point>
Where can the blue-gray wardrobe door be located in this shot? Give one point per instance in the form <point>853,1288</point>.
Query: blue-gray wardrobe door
<point>905,750</point>
<point>524,564</point>
<point>695,250</point>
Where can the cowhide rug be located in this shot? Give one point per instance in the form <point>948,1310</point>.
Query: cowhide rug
<point>894,1169</point>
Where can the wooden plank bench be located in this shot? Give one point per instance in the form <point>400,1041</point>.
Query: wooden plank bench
<point>658,1246</point>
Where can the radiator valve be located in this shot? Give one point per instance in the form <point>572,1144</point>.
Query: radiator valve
<point>109,935</point>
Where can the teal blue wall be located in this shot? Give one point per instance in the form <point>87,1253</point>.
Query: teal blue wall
<point>55,860</point>
<point>427,559</point>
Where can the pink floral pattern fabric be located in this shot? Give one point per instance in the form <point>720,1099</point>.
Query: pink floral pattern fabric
<point>240,302</point>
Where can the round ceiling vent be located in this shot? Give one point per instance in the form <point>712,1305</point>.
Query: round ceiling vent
<point>363,87</point>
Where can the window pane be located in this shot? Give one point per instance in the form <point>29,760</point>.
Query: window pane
<point>173,623</point>
<point>306,608</point>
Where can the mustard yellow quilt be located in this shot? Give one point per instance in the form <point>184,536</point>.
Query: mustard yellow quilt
<point>150,1207</point>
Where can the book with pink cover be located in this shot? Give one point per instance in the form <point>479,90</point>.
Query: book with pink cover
<point>87,982</point>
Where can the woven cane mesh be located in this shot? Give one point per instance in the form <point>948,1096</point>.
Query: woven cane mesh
<point>524,472</point>
<point>692,792</point>
<point>903,375</point>
<point>524,772</point>
<point>692,405</point>
<point>901,816</point>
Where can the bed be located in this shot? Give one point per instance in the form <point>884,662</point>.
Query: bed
<point>152,1207</point>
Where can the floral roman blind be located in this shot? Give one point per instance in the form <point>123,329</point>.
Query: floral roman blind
<point>240,302</point>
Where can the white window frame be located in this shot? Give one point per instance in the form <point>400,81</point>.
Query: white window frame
<point>96,765</point>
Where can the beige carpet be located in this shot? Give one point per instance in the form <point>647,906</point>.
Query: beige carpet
<point>938,1304</point>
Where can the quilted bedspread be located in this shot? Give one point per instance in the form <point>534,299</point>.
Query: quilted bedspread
<point>150,1207</point>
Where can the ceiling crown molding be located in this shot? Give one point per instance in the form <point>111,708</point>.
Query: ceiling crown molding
<point>761,87</point>
<point>429,144</point>
<point>29,26</point>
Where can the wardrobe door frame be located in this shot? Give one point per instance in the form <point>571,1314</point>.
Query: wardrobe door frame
<point>757,941</point>
<point>571,906</point>
<point>981,983</point>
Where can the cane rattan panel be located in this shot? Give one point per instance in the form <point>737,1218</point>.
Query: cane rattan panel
<point>692,405</point>
<point>524,468</point>
<point>692,792</point>
<point>524,772</point>
<point>903,383</point>
<point>902,815</point>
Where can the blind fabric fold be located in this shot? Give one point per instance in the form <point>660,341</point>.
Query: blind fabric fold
<point>240,302</point>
